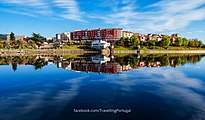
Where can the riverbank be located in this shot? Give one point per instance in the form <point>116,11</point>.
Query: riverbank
<point>4,52</point>
<point>46,52</point>
<point>159,51</point>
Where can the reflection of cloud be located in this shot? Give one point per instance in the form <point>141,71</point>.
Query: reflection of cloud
<point>30,105</point>
<point>170,84</point>
<point>68,94</point>
<point>200,31</point>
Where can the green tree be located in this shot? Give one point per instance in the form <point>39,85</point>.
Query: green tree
<point>20,43</point>
<point>32,43</point>
<point>122,41</point>
<point>12,38</point>
<point>166,41</point>
<point>6,45</point>
<point>200,44</point>
<point>179,41</point>
<point>1,45</point>
<point>134,40</point>
<point>191,43</point>
<point>38,39</point>
<point>126,42</point>
<point>56,45</point>
<point>185,42</point>
<point>152,42</point>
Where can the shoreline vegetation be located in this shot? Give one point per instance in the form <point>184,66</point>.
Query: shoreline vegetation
<point>35,45</point>
<point>134,61</point>
<point>29,52</point>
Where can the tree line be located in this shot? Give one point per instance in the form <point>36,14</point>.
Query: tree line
<point>32,43</point>
<point>152,60</point>
<point>165,42</point>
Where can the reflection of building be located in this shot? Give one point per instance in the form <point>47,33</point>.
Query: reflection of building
<point>100,59</point>
<point>99,64</point>
<point>126,67</point>
<point>95,67</point>
<point>64,64</point>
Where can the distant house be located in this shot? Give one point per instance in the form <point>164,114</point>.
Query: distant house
<point>20,37</point>
<point>141,37</point>
<point>100,44</point>
<point>127,34</point>
<point>5,36</point>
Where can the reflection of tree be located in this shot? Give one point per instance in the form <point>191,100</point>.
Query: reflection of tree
<point>177,61</point>
<point>134,61</point>
<point>165,61</point>
<point>156,60</point>
<point>14,66</point>
<point>39,63</point>
<point>15,61</point>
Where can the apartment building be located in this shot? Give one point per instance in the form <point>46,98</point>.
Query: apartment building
<point>103,34</point>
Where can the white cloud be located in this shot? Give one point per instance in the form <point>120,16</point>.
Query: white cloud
<point>28,7</point>
<point>67,9</point>
<point>161,16</point>
<point>200,31</point>
<point>71,9</point>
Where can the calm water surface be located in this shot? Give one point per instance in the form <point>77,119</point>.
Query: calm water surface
<point>153,87</point>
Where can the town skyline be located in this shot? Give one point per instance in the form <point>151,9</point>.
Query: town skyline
<point>57,16</point>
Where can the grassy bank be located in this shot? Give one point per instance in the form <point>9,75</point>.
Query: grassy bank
<point>157,48</point>
<point>74,47</point>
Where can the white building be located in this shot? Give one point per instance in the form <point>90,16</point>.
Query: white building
<point>63,37</point>
<point>100,44</point>
<point>127,34</point>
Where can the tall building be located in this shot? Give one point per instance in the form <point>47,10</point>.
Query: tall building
<point>103,34</point>
<point>63,37</point>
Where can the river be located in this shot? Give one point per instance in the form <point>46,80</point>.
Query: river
<point>119,87</point>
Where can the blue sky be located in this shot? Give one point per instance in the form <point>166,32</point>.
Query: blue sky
<point>49,17</point>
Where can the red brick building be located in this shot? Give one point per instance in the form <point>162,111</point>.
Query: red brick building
<point>104,34</point>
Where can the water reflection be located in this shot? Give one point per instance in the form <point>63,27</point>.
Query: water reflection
<point>151,86</point>
<point>101,64</point>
